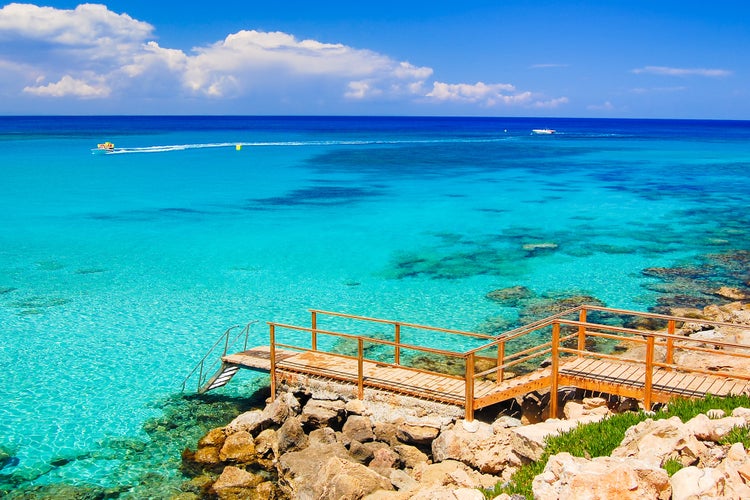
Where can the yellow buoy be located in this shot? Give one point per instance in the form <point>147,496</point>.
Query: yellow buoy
<point>238,147</point>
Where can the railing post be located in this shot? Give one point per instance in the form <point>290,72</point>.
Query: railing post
<point>647,383</point>
<point>200,375</point>
<point>272,346</point>
<point>226,341</point>
<point>469,402</point>
<point>555,370</point>
<point>500,362</point>
<point>582,332</point>
<point>314,331</point>
<point>397,340</point>
<point>360,369</point>
<point>670,344</point>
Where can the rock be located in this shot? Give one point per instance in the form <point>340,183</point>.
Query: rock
<point>655,441</point>
<point>291,436</point>
<point>358,428</point>
<point>284,406</point>
<point>566,476</point>
<point>322,413</point>
<point>485,450</point>
<point>528,441</point>
<point>343,480</point>
<point>298,470</point>
<point>250,421</point>
<point>364,452</point>
<point>235,483</point>
<point>707,429</point>
<point>415,433</point>
<point>731,293</point>
<point>267,441</point>
<point>510,296</point>
<point>410,456</point>
<point>208,455</point>
<point>691,483</point>
<point>452,473</point>
<point>238,447</point>
<point>386,432</point>
<point>214,437</point>
<point>589,406</point>
<point>355,407</point>
<point>383,459</point>
<point>402,481</point>
<point>505,422</point>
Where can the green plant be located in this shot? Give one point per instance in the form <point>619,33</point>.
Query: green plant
<point>737,435</point>
<point>671,466</point>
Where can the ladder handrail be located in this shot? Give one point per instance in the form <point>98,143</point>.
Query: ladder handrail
<point>199,366</point>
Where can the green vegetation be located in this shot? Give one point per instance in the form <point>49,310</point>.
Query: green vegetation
<point>672,465</point>
<point>600,439</point>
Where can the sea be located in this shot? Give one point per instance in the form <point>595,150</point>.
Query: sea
<point>118,271</point>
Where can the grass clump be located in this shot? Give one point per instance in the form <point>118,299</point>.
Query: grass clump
<point>600,439</point>
<point>671,466</point>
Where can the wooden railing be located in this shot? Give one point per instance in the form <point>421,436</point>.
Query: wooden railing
<point>554,339</point>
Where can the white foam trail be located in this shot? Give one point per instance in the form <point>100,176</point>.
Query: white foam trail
<point>183,147</point>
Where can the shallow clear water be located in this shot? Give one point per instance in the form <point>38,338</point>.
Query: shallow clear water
<point>118,271</point>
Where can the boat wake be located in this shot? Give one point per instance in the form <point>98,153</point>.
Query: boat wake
<point>183,147</point>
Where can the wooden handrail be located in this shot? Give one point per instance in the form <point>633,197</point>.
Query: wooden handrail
<point>404,324</point>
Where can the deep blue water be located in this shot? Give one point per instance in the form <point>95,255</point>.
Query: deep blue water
<point>117,271</point>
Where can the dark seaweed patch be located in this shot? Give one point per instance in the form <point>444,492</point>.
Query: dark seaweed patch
<point>318,196</point>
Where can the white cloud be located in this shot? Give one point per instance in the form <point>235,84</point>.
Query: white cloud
<point>665,70</point>
<point>606,106</point>
<point>69,86</point>
<point>91,52</point>
<point>89,25</point>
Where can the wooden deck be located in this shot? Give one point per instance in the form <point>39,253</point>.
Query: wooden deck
<point>612,377</point>
<point>653,375</point>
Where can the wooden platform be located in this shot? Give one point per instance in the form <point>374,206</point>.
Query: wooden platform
<point>608,376</point>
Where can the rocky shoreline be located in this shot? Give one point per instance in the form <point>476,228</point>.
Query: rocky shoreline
<point>317,441</point>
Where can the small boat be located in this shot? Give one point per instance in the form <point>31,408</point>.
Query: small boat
<point>543,131</point>
<point>105,147</point>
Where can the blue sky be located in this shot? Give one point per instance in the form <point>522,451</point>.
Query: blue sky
<point>634,59</point>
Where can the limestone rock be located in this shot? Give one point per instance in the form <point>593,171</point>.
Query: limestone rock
<point>214,437</point>
<point>566,476</point>
<point>236,483</point>
<point>284,406</point>
<point>410,456</point>
<point>267,443</point>
<point>452,473</point>
<point>250,421</point>
<point>364,452</point>
<point>384,459</point>
<point>707,429</point>
<point>343,480</point>
<point>528,440</point>
<point>485,450</point>
<point>298,470</point>
<point>322,413</point>
<point>358,428</point>
<point>291,436</point>
<point>655,441</point>
<point>415,433</point>
<point>238,447</point>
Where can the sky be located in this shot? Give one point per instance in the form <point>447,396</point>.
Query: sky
<point>604,58</point>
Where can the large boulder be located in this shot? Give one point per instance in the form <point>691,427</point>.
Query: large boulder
<point>238,447</point>
<point>340,479</point>
<point>299,470</point>
<point>322,413</point>
<point>707,429</point>
<point>291,436</point>
<point>566,476</point>
<point>656,441</point>
<point>358,428</point>
<point>236,483</point>
<point>486,450</point>
<point>529,440</point>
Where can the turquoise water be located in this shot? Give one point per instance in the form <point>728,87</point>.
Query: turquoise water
<point>118,271</point>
